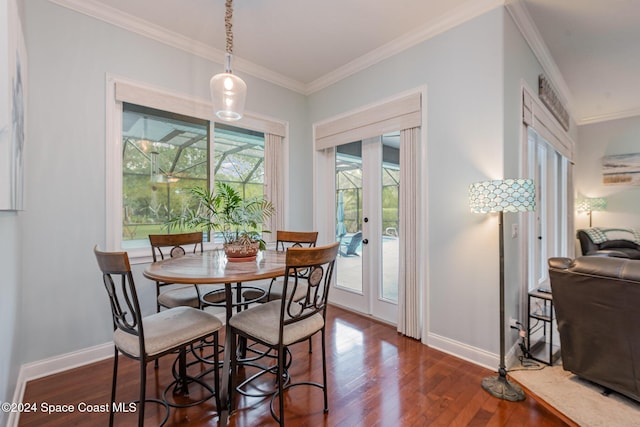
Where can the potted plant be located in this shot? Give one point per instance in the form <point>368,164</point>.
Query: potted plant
<point>237,219</point>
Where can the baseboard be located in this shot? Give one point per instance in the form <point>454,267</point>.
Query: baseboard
<point>53,365</point>
<point>471,354</point>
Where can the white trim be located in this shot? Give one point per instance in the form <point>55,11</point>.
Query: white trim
<point>538,116</point>
<point>609,116</point>
<point>470,353</point>
<point>401,113</point>
<point>529,31</point>
<point>99,10</point>
<point>461,14</point>
<point>452,19</point>
<point>119,89</point>
<point>54,365</point>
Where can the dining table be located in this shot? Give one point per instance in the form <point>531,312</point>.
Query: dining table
<point>213,267</point>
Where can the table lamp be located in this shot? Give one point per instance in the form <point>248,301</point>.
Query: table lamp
<point>508,195</point>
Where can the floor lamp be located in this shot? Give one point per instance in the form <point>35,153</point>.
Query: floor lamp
<point>509,195</point>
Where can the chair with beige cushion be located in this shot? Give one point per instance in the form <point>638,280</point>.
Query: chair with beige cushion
<point>148,338</point>
<point>284,240</point>
<point>283,322</point>
<point>173,245</point>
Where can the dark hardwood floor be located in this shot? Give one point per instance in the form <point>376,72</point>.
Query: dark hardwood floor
<point>376,378</point>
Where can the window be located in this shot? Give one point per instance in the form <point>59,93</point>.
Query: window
<point>551,225</point>
<point>239,159</point>
<point>159,145</point>
<point>163,155</point>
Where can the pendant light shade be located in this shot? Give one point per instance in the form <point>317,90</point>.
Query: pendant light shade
<point>228,94</point>
<point>228,91</point>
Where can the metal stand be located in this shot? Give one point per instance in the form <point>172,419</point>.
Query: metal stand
<point>500,386</point>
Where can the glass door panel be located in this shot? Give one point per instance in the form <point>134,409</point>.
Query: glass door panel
<point>349,216</point>
<point>367,179</point>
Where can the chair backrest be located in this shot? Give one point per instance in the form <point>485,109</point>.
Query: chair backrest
<point>120,287</point>
<point>295,239</point>
<point>318,262</point>
<point>174,244</point>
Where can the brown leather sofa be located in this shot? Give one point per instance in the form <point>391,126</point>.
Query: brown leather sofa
<point>597,304</point>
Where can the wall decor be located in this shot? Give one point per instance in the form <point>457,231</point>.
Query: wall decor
<point>621,169</point>
<point>548,96</point>
<point>12,107</point>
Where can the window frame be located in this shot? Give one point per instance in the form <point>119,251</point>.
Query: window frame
<point>119,90</point>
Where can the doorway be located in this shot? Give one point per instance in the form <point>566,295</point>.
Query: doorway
<point>367,185</point>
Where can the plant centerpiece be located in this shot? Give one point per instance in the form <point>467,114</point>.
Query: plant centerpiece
<point>237,219</point>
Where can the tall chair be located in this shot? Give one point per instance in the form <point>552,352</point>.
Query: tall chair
<point>148,338</point>
<point>173,245</point>
<point>284,240</point>
<point>283,322</point>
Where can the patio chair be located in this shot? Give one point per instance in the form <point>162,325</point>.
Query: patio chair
<point>352,246</point>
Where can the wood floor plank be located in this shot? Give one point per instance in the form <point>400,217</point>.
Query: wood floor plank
<point>376,378</point>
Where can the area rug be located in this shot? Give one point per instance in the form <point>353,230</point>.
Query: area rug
<point>578,399</point>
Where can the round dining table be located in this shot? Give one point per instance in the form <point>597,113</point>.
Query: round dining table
<point>213,267</point>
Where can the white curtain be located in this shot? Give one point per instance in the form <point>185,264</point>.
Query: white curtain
<point>408,285</point>
<point>273,185</point>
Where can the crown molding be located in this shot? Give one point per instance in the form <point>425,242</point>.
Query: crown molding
<point>524,22</point>
<point>97,10</point>
<point>144,28</point>
<point>609,116</point>
<point>461,14</point>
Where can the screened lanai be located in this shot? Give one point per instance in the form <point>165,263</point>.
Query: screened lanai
<point>349,186</point>
<point>165,154</point>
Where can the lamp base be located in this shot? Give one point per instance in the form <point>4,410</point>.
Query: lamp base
<point>499,386</point>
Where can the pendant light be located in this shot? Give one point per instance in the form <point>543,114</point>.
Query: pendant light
<point>228,91</point>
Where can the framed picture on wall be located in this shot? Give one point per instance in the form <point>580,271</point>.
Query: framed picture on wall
<point>621,169</point>
<point>12,107</point>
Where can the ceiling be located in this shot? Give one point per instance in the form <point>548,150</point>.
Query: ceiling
<point>308,44</point>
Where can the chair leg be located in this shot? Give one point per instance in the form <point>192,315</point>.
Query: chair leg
<point>216,372</point>
<point>113,387</point>
<point>324,373</point>
<point>143,389</point>
<point>281,363</point>
<point>233,377</point>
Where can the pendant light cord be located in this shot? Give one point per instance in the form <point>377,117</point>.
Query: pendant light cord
<point>227,24</point>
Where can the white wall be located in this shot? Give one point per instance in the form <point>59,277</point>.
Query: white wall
<point>605,139</point>
<point>9,304</point>
<point>63,306</point>
<point>462,70</point>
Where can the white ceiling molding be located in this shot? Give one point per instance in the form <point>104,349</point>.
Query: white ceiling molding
<point>466,12</point>
<point>521,17</point>
<point>612,116</point>
<point>145,28</point>
<point>97,10</point>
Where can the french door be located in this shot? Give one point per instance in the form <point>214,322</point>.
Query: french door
<point>367,184</point>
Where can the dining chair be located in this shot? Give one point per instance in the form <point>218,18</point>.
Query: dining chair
<point>284,240</point>
<point>150,337</point>
<point>283,322</point>
<point>174,245</point>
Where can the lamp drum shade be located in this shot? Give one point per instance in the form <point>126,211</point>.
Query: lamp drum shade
<point>591,204</point>
<point>508,195</point>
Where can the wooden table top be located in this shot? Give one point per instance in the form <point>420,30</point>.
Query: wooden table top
<point>213,267</point>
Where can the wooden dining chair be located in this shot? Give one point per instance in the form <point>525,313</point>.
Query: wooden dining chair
<point>174,245</point>
<point>283,322</point>
<point>284,240</point>
<point>148,338</point>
